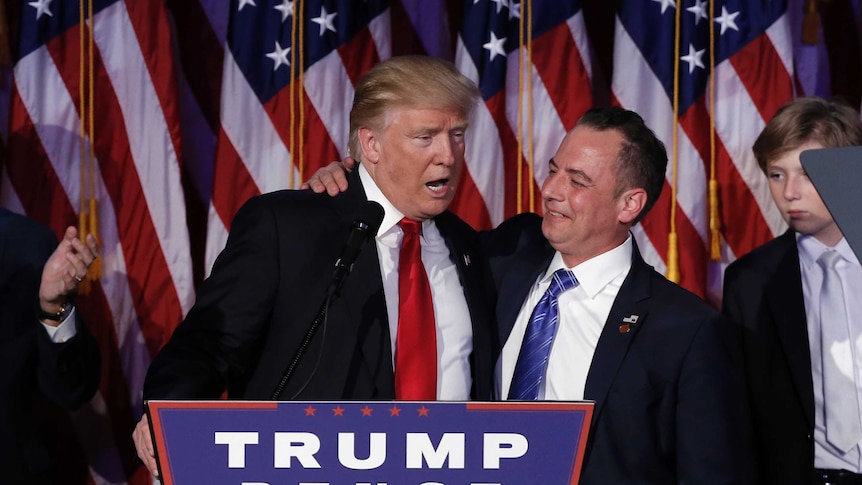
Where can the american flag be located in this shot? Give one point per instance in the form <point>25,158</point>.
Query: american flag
<point>531,63</point>
<point>663,58</point>
<point>194,113</point>
<point>147,284</point>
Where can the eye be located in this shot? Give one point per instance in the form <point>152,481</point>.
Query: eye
<point>775,176</point>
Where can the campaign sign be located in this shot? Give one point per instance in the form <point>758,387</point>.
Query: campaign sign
<point>369,443</point>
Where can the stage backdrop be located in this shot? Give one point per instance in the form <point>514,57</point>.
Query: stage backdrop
<point>151,122</point>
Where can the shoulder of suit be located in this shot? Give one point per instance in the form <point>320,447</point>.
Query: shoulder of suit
<point>762,260</point>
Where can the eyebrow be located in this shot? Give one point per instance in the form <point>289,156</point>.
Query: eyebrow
<point>572,171</point>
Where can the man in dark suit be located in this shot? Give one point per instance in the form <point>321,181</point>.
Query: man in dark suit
<point>56,359</point>
<point>774,295</point>
<point>656,359</point>
<point>407,128</point>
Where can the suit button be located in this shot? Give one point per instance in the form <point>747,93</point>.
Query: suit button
<point>809,437</point>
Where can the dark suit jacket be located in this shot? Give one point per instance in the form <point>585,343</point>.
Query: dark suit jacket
<point>668,407</point>
<point>763,296</point>
<point>268,284</point>
<point>31,366</point>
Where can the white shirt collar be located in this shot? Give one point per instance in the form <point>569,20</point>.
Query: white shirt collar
<point>597,272</point>
<point>810,250</point>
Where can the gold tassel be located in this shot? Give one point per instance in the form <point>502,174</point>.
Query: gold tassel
<point>672,258</point>
<point>714,222</point>
<point>95,272</point>
<point>810,23</point>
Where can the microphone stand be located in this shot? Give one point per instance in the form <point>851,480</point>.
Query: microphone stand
<point>303,346</point>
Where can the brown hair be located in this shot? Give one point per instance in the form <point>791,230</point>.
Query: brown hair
<point>827,122</point>
<point>408,81</point>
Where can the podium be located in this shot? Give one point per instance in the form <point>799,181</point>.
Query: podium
<point>373,443</point>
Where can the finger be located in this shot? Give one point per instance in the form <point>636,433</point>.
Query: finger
<point>304,186</point>
<point>77,267</point>
<point>316,186</point>
<point>82,252</point>
<point>93,244</point>
<point>349,163</point>
<point>70,234</point>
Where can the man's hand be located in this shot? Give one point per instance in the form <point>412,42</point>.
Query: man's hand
<point>332,178</point>
<point>144,444</point>
<point>65,269</point>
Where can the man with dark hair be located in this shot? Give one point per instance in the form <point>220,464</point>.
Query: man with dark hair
<point>411,321</point>
<point>802,354</point>
<point>584,317</point>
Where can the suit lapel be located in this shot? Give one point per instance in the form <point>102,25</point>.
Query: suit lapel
<point>516,284</point>
<point>630,304</point>
<point>785,303</point>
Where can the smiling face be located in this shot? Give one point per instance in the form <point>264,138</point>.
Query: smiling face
<point>798,200</point>
<point>416,158</point>
<point>585,212</point>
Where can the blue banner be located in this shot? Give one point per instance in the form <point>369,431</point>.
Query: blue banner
<point>374,443</point>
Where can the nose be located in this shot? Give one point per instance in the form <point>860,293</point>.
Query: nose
<point>448,151</point>
<point>792,188</point>
<point>551,187</point>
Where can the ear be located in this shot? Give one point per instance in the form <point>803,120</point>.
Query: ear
<point>632,202</point>
<point>369,145</point>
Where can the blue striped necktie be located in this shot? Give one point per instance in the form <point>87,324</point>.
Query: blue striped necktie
<point>536,346</point>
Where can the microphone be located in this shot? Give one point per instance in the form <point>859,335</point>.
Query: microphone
<point>365,227</point>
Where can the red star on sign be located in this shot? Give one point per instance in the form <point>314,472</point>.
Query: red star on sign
<point>423,411</point>
<point>309,411</point>
<point>366,411</point>
<point>394,411</point>
<point>338,411</point>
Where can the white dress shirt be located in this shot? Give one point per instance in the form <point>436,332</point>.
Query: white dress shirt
<point>583,313</point>
<point>451,315</point>
<point>810,249</point>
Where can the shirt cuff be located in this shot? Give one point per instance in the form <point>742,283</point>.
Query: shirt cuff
<point>64,331</point>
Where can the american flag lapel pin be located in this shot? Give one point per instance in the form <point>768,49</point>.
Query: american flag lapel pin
<point>628,321</point>
<point>467,260</point>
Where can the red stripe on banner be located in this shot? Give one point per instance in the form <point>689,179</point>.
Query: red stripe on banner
<point>357,56</point>
<point>201,56</point>
<point>232,184</point>
<point>764,76</point>
<point>561,67</point>
<point>150,22</point>
<point>691,250</point>
<point>156,301</point>
<point>469,205</point>
<point>38,188</point>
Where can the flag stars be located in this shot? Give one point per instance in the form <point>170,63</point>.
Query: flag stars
<point>727,20</point>
<point>309,411</point>
<point>665,4</point>
<point>338,411</point>
<point>366,411</point>
<point>694,58</point>
<point>325,20</point>
<point>699,9</point>
<point>286,9</point>
<point>43,7</point>
<point>243,3</point>
<point>495,46</point>
<point>514,11</point>
<point>394,411</point>
<point>279,56</point>
<point>501,4</point>
<point>423,411</point>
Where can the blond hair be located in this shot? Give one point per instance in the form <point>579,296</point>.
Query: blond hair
<point>408,82</point>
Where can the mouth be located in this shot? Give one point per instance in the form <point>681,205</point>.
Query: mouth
<point>795,214</point>
<point>438,186</point>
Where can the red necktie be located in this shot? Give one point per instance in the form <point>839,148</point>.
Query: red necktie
<point>416,343</point>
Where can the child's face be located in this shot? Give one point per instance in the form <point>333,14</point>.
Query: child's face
<point>798,200</point>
